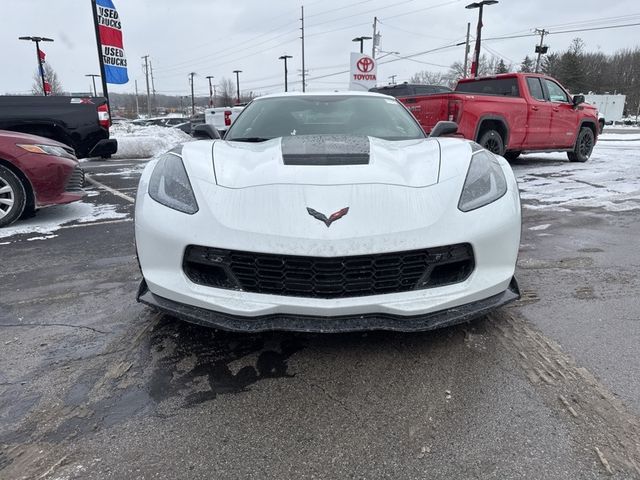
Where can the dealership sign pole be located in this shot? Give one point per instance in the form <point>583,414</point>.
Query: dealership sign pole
<point>113,64</point>
<point>363,72</point>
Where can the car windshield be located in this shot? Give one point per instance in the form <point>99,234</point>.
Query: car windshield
<point>373,116</point>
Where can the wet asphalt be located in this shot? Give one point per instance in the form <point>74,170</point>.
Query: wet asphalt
<point>94,385</point>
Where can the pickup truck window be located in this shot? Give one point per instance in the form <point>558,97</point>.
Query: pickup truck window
<point>535,88</point>
<point>505,87</point>
<point>556,93</point>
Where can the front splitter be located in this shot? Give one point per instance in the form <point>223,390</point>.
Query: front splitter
<point>329,324</point>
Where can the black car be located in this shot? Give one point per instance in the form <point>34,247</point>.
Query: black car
<point>408,89</point>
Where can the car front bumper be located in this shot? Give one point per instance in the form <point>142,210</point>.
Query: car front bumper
<point>329,324</point>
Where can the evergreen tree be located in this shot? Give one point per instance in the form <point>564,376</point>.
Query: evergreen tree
<point>572,72</point>
<point>527,65</point>
<point>501,67</point>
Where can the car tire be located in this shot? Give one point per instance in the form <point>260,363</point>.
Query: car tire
<point>492,141</point>
<point>600,127</point>
<point>512,155</point>
<point>13,197</point>
<point>584,146</point>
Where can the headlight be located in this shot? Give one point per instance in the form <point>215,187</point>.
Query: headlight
<point>485,182</point>
<point>47,150</point>
<point>170,186</point>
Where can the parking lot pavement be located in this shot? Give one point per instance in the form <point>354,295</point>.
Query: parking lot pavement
<point>94,385</point>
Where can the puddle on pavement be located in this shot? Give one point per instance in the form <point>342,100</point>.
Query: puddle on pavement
<point>201,363</point>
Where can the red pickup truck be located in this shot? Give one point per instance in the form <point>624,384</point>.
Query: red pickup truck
<point>513,113</point>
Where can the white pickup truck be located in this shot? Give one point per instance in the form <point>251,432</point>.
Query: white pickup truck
<point>221,118</point>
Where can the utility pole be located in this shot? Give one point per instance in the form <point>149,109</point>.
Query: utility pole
<point>376,37</point>
<point>393,79</point>
<point>146,75</point>
<point>153,88</point>
<point>304,75</point>
<point>285,57</point>
<point>466,51</point>
<point>238,72</point>
<point>193,98</point>
<point>540,49</point>
<point>210,77</point>
<point>137,105</point>
<point>93,78</point>
<point>37,41</point>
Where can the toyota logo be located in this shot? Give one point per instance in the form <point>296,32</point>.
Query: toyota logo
<point>365,64</point>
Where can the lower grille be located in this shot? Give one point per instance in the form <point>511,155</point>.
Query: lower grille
<point>328,277</point>
<point>76,180</point>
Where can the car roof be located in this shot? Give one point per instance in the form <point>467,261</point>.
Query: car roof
<point>347,93</point>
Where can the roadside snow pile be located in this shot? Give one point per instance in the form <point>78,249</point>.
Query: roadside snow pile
<point>50,219</point>
<point>610,179</point>
<point>630,137</point>
<point>145,142</point>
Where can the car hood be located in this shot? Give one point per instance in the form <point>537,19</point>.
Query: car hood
<point>326,160</point>
<point>19,137</point>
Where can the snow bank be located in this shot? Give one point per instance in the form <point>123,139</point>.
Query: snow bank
<point>145,142</point>
<point>50,219</point>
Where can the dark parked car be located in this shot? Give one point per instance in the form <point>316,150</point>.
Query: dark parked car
<point>35,172</point>
<point>79,122</point>
<point>408,89</point>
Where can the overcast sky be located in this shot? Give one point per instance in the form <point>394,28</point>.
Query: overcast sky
<point>215,37</point>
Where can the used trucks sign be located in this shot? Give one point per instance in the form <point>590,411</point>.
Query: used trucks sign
<point>363,72</point>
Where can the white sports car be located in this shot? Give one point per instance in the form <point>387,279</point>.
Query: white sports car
<point>328,212</point>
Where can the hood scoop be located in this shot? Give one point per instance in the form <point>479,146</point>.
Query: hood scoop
<point>325,150</point>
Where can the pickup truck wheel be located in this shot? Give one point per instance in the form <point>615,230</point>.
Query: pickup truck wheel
<point>13,197</point>
<point>492,141</point>
<point>512,155</point>
<point>584,146</point>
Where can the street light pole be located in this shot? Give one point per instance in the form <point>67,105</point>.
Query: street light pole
<point>476,55</point>
<point>37,41</point>
<point>210,77</point>
<point>361,40</point>
<point>93,78</point>
<point>193,99</point>
<point>285,57</point>
<point>238,72</point>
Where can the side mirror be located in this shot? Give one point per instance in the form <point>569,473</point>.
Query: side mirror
<point>444,128</point>
<point>578,99</point>
<point>205,131</point>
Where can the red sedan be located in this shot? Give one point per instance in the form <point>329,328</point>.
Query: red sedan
<point>35,172</point>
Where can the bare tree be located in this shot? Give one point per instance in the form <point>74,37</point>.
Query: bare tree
<point>430,78</point>
<point>226,92</point>
<point>51,76</point>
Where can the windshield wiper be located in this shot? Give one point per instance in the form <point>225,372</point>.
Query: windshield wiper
<point>249,139</point>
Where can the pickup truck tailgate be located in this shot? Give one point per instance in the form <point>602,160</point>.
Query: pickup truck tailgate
<point>428,110</point>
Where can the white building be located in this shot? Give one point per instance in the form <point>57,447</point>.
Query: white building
<point>609,106</point>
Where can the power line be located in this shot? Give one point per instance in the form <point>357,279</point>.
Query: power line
<point>509,37</point>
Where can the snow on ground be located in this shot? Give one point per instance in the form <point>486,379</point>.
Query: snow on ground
<point>145,142</point>
<point>610,179</point>
<point>607,137</point>
<point>50,219</point>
